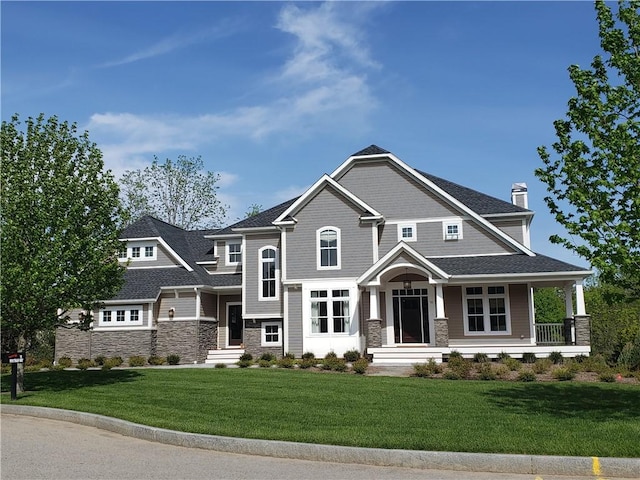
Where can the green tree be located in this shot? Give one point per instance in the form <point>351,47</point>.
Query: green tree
<point>177,192</point>
<point>594,183</point>
<point>59,233</point>
<point>253,210</point>
<point>550,305</point>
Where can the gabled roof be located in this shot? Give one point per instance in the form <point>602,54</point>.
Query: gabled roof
<point>324,182</point>
<point>371,150</point>
<point>262,219</point>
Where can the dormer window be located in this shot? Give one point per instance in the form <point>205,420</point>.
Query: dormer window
<point>148,252</point>
<point>234,253</point>
<point>138,251</point>
<point>135,252</point>
<point>452,230</point>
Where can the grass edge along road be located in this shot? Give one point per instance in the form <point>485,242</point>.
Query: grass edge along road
<point>560,418</point>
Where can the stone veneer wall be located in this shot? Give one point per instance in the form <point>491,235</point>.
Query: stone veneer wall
<point>374,332</point>
<point>207,336</point>
<point>76,344</point>
<point>178,338</point>
<point>253,340</point>
<point>441,326</point>
<point>583,329</point>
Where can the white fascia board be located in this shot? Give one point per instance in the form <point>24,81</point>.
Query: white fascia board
<point>442,193</point>
<point>520,277</point>
<point>226,236</point>
<point>161,241</point>
<point>401,247</point>
<point>515,216</point>
<point>208,262</point>
<point>135,301</point>
<point>270,228</point>
<point>313,191</point>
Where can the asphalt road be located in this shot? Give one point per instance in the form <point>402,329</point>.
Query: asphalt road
<point>38,448</point>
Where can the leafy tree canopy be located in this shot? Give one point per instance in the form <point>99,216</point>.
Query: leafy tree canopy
<point>594,181</point>
<point>177,192</point>
<point>58,227</point>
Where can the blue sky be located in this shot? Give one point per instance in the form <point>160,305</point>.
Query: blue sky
<point>274,94</point>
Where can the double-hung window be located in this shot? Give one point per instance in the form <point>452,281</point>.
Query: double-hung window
<point>486,310</point>
<point>328,241</point>
<point>234,253</point>
<point>268,274</point>
<point>330,311</point>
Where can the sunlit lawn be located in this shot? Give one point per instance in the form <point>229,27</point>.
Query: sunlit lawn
<point>559,418</point>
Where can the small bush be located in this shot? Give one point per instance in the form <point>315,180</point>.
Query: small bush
<point>110,363</point>
<point>427,369</point>
<point>460,366</point>
<point>455,354</point>
<point>268,357</point>
<point>572,365</point>
<point>451,375</point>
<point>308,356</point>
<point>117,361</point>
<point>307,363</point>
<point>556,357</point>
<point>351,355</point>
<point>481,358</point>
<point>48,363</point>
<point>290,355</point>
<point>502,371</point>
<point>595,363</point>
<point>630,355</point>
<point>486,372</point>
<point>173,359</point>
<point>137,361</point>
<point>84,363</point>
<point>32,368</point>
<point>65,362</point>
<point>513,364</point>
<point>220,365</point>
<point>528,357</point>
<point>502,356</point>
<point>331,354</point>
<point>526,375</point>
<point>99,360</point>
<point>608,377</point>
<point>155,360</point>
<point>286,362</point>
<point>246,357</point>
<point>360,366</point>
<point>542,365</point>
<point>334,363</point>
<point>563,374</point>
<point>264,363</point>
<point>580,358</point>
<point>244,363</point>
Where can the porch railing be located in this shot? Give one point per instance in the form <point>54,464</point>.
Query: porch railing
<point>550,334</point>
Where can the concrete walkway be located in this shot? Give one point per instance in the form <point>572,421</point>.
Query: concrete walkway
<point>470,462</point>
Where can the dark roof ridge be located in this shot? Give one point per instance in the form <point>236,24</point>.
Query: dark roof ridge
<point>371,150</point>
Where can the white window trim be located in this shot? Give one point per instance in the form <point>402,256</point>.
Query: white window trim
<point>338,265</point>
<point>228,252</point>
<point>448,223</point>
<point>329,299</point>
<point>414,232</point>
<point>486,310</point>
<point>260,279</point>
<point>127,316</point>
<point>263,334</point>
<point>142,258</point>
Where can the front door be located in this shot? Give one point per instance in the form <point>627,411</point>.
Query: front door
<point>411,316</point>
<point>235,325</point>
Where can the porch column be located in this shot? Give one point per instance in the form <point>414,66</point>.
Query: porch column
<point>583,329</point>
<point>374,322</point>
<point>441,323</point>
<point>580,309</point>
<point>568,300</point>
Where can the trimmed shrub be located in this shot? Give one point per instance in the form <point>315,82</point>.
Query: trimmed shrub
<point>481,358</point>
<point>331,354</point>
<point>526,375</point>
<point>502,371</point>
<point>608,377</point>
<point>502,356</point>
<point>334,363</point>
<point>528,357</point>
<point>137,361</point>
<point>307,363</point>
<point>99,360</point>
<point>556,357</point>
<point>290,355</point>
<point>455,354</point>
<point>451,375</point>
<point>360,366</point>
<point>220,365</point>
<point>109,363</point>
<point>244,363</point>
<point>426,369</point>
<point>264,363</point>
<point>351,355</point>
<point>268,357</point>
<point>595,363</point>
<point>513,364</point>
<point>580,358</point>
<point>117,361</point>
<point>308,356</point>
<point>542,365</point>
<point>155,360</point>
<point>286,362</point>
<point>563,374</point>
<point>460,366</point>
<point>65,362</point>
<point>486,372</point>
<point>173,359</point>
<point>246,357</point>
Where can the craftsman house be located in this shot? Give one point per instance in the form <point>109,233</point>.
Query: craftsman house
<point>378,257</point>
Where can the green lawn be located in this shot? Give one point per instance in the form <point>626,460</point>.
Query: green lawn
<point>559,418</point>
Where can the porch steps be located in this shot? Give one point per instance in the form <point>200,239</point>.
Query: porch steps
<point>228,356</point>
<point>404,355</point>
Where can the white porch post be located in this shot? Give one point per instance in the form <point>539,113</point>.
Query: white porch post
<point>580,308</point>
<point>439,301</point>
<point>568,300</point>
<point>374,309</point>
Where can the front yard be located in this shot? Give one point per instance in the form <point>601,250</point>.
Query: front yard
<point>545,418</point>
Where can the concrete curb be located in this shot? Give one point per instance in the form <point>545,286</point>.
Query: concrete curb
<point>474,462</point>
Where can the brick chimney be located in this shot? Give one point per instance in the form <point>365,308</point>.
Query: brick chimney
<point>519,195</point>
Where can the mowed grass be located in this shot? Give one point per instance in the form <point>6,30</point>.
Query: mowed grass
<point>560,418</point>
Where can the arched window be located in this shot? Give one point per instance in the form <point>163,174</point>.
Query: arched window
<point>268,273</point>
<point>328,248</point>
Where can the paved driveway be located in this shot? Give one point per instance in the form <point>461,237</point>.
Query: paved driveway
<point>39,448</point>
